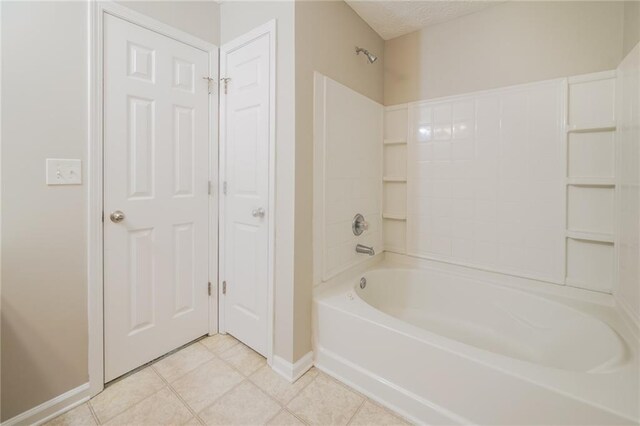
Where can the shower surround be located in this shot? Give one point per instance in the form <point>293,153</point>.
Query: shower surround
<point>498,222</point>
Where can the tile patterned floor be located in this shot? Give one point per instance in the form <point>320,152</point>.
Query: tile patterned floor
<point>220,381</point>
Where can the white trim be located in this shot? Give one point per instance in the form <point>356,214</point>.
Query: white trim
<point>397,107</point>
<point>292,372</point>
<point>154,25</point>
<point>0,202</point>
<point>270,29</point>
<point>595,76</point>
<point>97,10</point>
<point>319,144</point>
<point>52,408</point>
<point>214,196</point>
<point>94,196</point>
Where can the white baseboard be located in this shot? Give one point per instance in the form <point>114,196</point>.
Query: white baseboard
<point>292,372</point>
<point>52,408</point>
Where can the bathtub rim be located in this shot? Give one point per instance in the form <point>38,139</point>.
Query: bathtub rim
<point>539,375</point>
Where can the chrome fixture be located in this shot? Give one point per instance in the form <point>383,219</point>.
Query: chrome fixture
<point>359,225</point>
<point>363,282</point>
<point>117,216</point>
<point>370,56</point>
<point>365,250</point>
<point>259,212</point>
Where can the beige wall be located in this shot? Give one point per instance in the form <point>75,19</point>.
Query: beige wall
<point>631,27</point>
<point>44,291</point>
<point>236,19</point>
<point>200,18</point>
<point>326,35</point>
<point>512,43</point>
<point>44,115</point>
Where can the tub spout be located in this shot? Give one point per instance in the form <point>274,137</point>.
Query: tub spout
<point>365,250</point>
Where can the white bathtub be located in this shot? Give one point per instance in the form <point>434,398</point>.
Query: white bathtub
<point>449,345</point>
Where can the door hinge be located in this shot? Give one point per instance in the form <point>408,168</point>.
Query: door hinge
<point>210,82</point>
<point>224,287</point>
<point>209,187</point>
<point>225,81</point>
<point>209,288</point>
<point>103,216</point>
<point>224,187</point>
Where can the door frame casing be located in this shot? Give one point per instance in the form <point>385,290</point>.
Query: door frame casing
<point>268,29</point>
<point>95,170</point>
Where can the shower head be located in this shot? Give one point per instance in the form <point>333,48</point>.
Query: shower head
<point>370,56</point>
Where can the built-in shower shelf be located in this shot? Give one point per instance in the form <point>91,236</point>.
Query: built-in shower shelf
<point>394,179</point>
<point>592,181</point>
<point>605,128</point>
<point>395,141</point>
<point>591,236</point>
<point>392,216</point>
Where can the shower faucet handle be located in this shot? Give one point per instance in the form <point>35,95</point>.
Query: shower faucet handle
<point>359,225</point>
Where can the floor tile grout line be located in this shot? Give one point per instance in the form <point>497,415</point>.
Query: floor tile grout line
<point>136,404</point>
<point>284,405</point>
<point>188,371</point>
<point>237,342</point>
<point>345,386</point>
<point>303,388</point>
<point>191,410</point>
<point>244,378</point>
<point>93,414</point>
<point>215,356</point>
<point>265,393</point>
<point>353,416</point>
<point>388,410</point>
<point>296,416</point>
<point>275,415</point>
<point>127,375</point>
<point>248,378</point>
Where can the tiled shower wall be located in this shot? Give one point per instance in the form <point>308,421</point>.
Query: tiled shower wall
<point>485,180</point>
<point>517,180</point>
<point>347,175</point>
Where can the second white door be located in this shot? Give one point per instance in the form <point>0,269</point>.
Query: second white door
<point>246,128</point>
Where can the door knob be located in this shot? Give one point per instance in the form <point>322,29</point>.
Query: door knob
<point>259,212</point>
<point>117,216</point>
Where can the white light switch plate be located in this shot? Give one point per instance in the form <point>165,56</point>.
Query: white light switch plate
<point>64,171</point>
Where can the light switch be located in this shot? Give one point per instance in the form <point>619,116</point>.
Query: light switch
<point>64,171</point>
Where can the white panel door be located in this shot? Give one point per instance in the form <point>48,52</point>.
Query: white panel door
<point>156,173</point>
<point>246,130</point>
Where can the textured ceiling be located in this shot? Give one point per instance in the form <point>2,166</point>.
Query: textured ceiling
<point>393,18</point>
